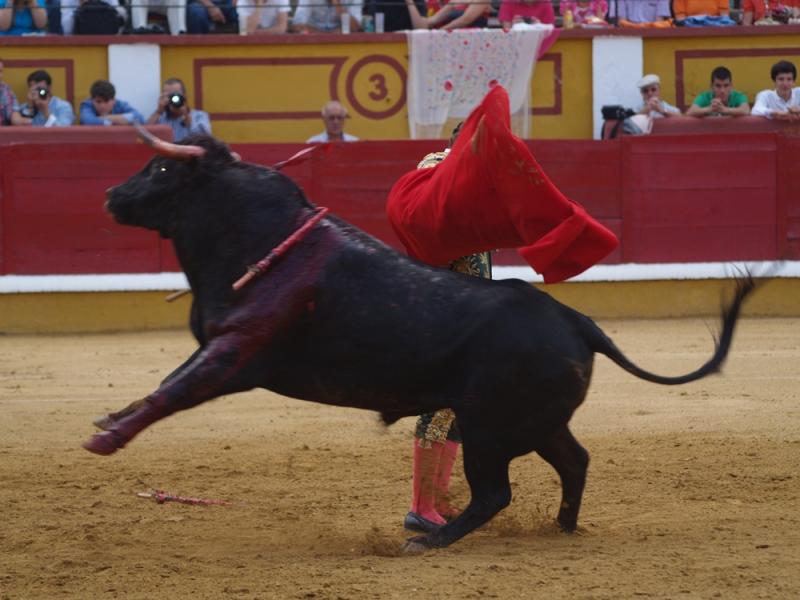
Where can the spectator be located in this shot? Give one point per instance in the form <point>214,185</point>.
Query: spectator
<point>470,13</point>
<point>782,103</point>
<point>651,104</point>
<point>395,13</point>
<point>204,16</point>
<point>333,115</point>
<point>102,107</point>
<point>42,108</point>
<point>92,17</point>
<point>583,11</point>
<point>174,9</point>
<point>755,10</point>
<point>22,17</point>
<point>531,11</point>
<point>640,11</point>
<point>173,110</point>
<point>264,16</point>
<point>325,16</point>
<point>9,107</point>
<point>692,8</point>
<point>721,99</point>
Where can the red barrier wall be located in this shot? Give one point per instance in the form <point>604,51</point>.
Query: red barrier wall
<point>696,198</point>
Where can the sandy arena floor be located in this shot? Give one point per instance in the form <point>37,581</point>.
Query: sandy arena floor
<point>692,493</point>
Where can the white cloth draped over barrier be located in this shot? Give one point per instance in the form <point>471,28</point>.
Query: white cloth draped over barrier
<point>450,72</point>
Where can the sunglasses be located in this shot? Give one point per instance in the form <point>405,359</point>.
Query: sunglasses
<point>651,88</point>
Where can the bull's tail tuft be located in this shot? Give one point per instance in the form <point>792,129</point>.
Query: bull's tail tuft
<point>599,342</point>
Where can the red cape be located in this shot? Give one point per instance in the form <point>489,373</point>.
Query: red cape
<point>491,193</point>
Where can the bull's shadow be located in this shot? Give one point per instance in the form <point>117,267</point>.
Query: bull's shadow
<point>340,318</point>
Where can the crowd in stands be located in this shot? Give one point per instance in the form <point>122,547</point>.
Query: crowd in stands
<point>249,17</point>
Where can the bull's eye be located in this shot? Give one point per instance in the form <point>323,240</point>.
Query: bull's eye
<point>163,169</point>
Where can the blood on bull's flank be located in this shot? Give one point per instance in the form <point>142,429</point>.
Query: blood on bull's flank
<point>342,319</point>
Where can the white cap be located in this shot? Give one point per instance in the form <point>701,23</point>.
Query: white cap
<point>648,80</point>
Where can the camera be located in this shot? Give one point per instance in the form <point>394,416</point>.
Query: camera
<point>177,100</point>
<point>43,93</point>
<point>616,112</point>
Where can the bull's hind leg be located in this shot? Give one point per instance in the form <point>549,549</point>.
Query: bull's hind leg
<point>216,371</point>
<point>570,460</point>
<point>487,476</point>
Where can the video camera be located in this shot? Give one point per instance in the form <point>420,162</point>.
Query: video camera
<point>177,100</point>
<point>616,112</point>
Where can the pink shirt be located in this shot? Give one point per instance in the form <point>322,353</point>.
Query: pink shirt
<point>539,9</point>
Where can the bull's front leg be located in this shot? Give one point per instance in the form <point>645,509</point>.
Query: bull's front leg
<point>219,369</point>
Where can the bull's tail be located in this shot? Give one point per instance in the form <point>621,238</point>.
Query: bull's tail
<point>601,343</point>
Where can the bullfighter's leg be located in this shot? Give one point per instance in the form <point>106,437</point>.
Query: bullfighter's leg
<point>219,369</point>
<point>106,422</point>
<point>487,475</point>
<point>570,460</point>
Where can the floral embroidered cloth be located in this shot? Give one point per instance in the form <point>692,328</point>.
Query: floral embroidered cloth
<point>450,72</point>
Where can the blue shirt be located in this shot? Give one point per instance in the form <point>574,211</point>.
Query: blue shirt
<point>22,21</point>
<point>61,114</point>
<point>200,124</point>
<point>89,115</point>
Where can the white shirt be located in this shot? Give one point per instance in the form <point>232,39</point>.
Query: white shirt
<point>322,16</point>
<point>768,102</point>
<point>68,8</point>
<point>665,106</point>
<point>323,137</point>
<point>269,12</point>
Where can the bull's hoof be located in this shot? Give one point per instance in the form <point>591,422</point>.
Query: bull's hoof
<point>415,546</point>
<point>104,443</point>
<point>105,422</point>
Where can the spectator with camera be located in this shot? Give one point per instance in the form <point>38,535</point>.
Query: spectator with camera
<point>782,103</point>
<point>22,17</point>
<point>103,108</point>
<point>43,109</point>
<point>651,104</point>
<point>173,110</point>
<point>721,99</point>
<point>9,107</point>
<point>264,16</point>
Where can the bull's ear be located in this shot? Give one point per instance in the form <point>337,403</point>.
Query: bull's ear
<point>168,149</point>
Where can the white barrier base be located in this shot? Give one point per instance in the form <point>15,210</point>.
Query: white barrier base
<point>144,282</point>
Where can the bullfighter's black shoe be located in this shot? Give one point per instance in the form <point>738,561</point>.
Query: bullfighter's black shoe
<point>414,522</point>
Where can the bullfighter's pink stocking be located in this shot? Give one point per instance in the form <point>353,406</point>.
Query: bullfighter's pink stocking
<point>426,462</point>
<point>441,482</point>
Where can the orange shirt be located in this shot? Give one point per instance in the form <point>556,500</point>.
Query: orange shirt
<point>690,8</point>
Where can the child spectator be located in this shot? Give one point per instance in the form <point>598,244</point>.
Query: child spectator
<point>583,11</point>
<point>22,17</point>
<point>102,107</point>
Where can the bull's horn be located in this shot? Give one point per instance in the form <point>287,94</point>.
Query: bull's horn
<point>168,149</point>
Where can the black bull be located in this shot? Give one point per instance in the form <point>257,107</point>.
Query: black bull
<point>343,319</point>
